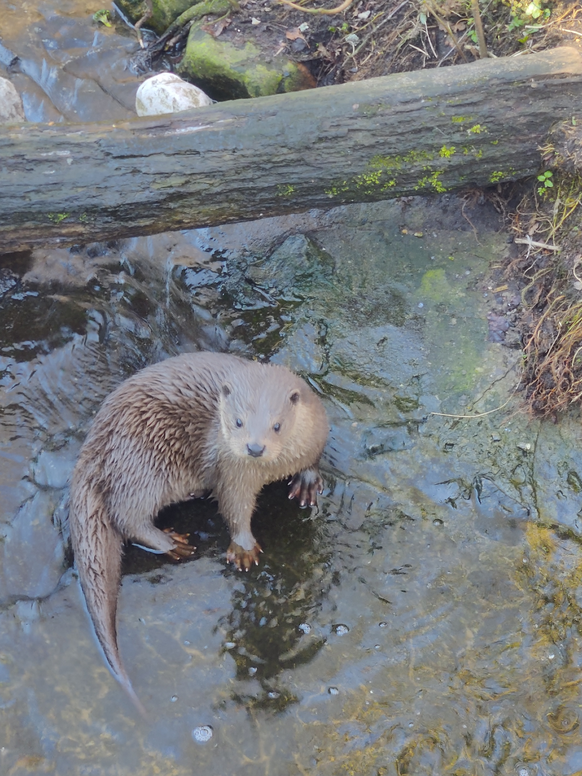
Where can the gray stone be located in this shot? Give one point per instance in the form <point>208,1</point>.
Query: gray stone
<point>11,110</point>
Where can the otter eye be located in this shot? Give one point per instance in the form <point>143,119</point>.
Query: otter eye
<point>277,427</point>
<point>239,423</point>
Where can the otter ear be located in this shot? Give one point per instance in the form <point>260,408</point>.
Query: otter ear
<point>226,390</point>
<point>294,396</point>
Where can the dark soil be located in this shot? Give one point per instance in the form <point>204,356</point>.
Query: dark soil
<point>379,37</point>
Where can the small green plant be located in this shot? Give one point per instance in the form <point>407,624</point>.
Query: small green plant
<point>102,17</point>
<point>546,180</point>
<point>56,218</point>
<point>525,11</point>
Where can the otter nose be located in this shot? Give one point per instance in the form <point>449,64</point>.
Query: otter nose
<point>256,450</point>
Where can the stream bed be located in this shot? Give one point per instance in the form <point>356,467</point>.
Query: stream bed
<point>425,619</point>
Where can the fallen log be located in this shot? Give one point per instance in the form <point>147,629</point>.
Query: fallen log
<point>411,133</point>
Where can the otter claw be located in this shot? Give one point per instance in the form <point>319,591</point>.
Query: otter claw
<point>305,486</point>
<point>243,559</point>
<point>182,547</point>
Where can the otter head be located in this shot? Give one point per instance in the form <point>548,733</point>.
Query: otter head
<point>258,418</point>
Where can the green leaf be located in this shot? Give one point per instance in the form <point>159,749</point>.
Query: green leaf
<point>102,17</point>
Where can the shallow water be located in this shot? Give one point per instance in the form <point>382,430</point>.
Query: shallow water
<point>425,620</point>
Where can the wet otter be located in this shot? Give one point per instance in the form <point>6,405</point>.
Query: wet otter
<point>191,424</point>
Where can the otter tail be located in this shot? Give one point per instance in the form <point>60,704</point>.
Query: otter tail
<point>98,549</point>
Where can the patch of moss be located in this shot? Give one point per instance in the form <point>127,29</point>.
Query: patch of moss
<point>227,72</point>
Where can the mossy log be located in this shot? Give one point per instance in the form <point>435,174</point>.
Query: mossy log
<point>411,133</point>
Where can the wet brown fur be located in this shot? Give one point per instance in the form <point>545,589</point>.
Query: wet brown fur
<point>186,425</point>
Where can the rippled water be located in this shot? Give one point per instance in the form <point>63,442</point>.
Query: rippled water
<point>425,620</point>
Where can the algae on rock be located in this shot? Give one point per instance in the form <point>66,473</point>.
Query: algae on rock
<point>225,71</point>
<point>164,12</point>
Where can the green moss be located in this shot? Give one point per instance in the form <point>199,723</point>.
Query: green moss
<point>445,152</point>
<point>285,190</point>
<point>495,177</point>
<point>398,162</point>
<point>164,12</point>
<point>431,180</point>
<point>477,129</point>
<point>56,218</point>
<point>225,71</point>
<point>459,119</point>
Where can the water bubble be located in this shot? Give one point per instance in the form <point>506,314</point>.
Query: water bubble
<point>229,645</point>
<point>202,734</point>
<point>273,694</point>
<point>174,698</point>
<point>383,624</point>
<point>340,629</point>
<point>304,627</point>
<point>252,671</point>
<point>563,719</point>
<point>438,521</point>
<point>333,691</point>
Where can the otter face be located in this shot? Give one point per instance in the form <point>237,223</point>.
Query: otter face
<point>258,420</point>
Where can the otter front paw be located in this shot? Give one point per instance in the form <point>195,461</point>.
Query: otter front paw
<point>182,548</point>
<point>243,559</point>
<point>305,486</point>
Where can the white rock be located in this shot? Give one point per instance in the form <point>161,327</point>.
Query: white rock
<point>11,109</point>
<point>168,93</point>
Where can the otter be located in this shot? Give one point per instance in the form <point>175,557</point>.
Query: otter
<point>195,423</point>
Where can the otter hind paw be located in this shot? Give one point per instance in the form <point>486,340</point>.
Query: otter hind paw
<point>182,548</point>
<point>243,559</point>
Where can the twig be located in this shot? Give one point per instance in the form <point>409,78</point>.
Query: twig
<point>147,15</point>
<point>448,29</point>
<point>479,414</point>
<point>380,24</point>
<point>483,53</point>
<point>533,244</point>
<point>322,11</point>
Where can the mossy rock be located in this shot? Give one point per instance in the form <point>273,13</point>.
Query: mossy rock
<point>227,72</point>
<point>164,11</point>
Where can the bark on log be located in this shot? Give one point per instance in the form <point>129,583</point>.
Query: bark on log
<point>411,133</point>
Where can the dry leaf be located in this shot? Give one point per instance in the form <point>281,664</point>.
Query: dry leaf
<point>294,34</point>
<point>217,28</point>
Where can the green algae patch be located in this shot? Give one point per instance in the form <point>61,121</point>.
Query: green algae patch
<point>164,12</point>
<point>435,286</point>
<point>225,71</point>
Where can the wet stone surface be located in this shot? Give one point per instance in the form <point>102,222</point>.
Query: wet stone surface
<point>425,619</point>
